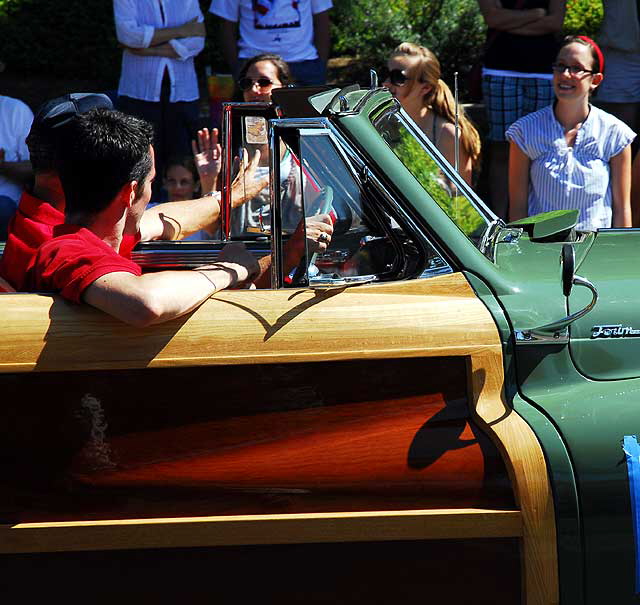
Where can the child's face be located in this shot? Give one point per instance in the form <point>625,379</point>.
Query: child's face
<point>179,183</point>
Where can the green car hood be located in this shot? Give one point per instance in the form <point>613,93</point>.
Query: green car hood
<point>605,343</point>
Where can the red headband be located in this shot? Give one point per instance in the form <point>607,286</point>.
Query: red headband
<point>595,47</point>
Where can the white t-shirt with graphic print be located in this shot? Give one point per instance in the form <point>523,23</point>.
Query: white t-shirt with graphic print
<point>283,27</point>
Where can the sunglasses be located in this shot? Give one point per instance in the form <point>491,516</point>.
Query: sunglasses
<point>247,83</point>
<point>574,70</point>
<point>397,77</point>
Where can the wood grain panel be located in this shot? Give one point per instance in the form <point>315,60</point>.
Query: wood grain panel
<point>267,438</point>
<point>263,529</point>
<point>526,464</point>
<point>434,317</point>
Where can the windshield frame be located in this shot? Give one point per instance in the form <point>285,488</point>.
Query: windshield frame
<point>395,110</point>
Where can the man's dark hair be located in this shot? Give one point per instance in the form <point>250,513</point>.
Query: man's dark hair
<point>104,151</point>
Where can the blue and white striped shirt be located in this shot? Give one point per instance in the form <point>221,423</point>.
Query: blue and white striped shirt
<point>141,77</point>
<point>563,177</point>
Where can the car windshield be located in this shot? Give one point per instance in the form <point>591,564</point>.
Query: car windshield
<point>435,175</point>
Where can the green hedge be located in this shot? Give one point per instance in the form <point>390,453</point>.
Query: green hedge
<point>71,39</point>
<point>453,29</point>
<point>75,39</point>
<point>584,17</point>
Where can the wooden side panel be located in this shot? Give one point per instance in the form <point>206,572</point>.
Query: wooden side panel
<point>526,464</point>
<point>435,318</point>
<point>276,438</point>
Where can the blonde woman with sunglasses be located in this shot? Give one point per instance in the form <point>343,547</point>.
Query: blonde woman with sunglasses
<point>414,79</point>
<point>572,155</point>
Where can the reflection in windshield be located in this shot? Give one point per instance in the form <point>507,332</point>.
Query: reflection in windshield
<point>415,156</point>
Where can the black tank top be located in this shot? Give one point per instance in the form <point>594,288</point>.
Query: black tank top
<point>527,54</point>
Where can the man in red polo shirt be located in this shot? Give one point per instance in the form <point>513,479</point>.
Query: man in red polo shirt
<point>41,209</point>
<point>106,171</point>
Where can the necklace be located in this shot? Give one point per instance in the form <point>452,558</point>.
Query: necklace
<point>576,128</point>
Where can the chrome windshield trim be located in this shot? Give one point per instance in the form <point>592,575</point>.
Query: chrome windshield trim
<point>449,171</point>
<point>363,173</point>
<point>319,122</point>
<point>185,255</point>
<point>277,279</point>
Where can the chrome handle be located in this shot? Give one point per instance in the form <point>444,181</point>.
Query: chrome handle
<point>557,332</point>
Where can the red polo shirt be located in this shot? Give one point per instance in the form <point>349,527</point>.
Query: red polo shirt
<point>72,260</point>
<point>30,227</point>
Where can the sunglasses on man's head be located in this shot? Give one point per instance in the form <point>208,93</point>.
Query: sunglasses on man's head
<point>247,83</point>
<point>397,77</point>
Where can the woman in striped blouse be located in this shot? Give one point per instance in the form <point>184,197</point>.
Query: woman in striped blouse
<point>572,154</point>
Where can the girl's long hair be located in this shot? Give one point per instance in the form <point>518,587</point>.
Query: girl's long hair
<point>439,98</point>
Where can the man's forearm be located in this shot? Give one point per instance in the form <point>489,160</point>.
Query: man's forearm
<point>176,220</point>
<point>497,17</point>
<point>164,34</point>
<point>157,297</point>
<point>18,172</point>
<point>547,25</point>
<point>186,30</point>
<point>162,50</point>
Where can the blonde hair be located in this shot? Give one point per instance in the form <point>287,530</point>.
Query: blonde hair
<point>439,98</point>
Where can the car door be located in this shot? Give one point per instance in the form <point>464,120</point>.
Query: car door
<point>363,391</point>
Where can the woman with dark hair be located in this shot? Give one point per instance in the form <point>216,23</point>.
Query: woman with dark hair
<point>258,77</point>
<point>572,155</point>
<point>261,74</point>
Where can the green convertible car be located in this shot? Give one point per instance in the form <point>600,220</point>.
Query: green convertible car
<point>439,407</point>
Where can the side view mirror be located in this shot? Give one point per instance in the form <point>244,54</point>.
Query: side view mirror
<point>557,332</point>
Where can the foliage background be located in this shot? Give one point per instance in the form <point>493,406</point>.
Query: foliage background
<point>75,39</point>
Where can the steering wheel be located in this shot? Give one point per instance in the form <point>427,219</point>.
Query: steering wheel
<point>323,203</point>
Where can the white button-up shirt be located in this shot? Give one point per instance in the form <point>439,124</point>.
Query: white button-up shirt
<point>141,77</point>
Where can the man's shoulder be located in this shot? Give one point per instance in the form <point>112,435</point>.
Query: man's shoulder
<point>75,244</point>
<point>38,210</point>
<point>72,260</point>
